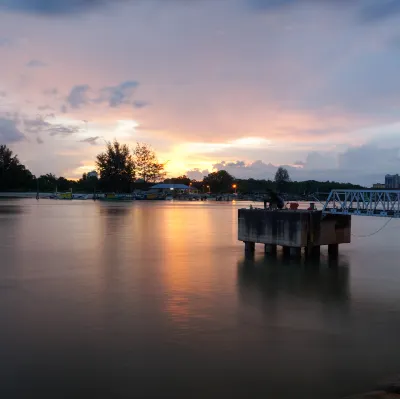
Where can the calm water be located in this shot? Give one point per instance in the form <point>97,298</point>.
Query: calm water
<point>137,300</point>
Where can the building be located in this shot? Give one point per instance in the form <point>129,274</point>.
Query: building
<point>168,188</point>
<point>93,173</point>
<point>392,181</point>
<point>379,186</point>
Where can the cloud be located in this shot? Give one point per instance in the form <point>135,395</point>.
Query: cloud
<point>40,125</point>
<point>90,140</point>
<point>36,125</point>
<point>63,130</point>
<point>197,174</point>
<point>113,96</point>
<point>369,158</point>
<point>64,109</point>
<point>9,133</point>
<point>140,104</point>
<point>365,164</point>
<point>78,96</point>
<point>50,7</point>
<point>39,140</point>
<point>45,108</point>
<point>118,95</point>
<point>381,9</point>
<point>51,92</point>
<point>3,93</point>
<point>35,64</point>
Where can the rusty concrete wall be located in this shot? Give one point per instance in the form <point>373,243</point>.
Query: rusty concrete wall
<point>287,228</point>
<point>293,228</point>
<point>335,229</point>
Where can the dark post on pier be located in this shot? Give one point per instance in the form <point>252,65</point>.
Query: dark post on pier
<point>293,230</point>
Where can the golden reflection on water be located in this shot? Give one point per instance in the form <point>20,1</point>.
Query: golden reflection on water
<point>179,230</point>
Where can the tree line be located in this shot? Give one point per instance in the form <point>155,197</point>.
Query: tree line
<point>122,170</point>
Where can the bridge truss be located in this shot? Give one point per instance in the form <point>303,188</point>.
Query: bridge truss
<point>381,203</point>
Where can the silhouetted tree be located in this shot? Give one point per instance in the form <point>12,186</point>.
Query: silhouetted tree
<point>282,178</point>
<point>146,163</point>
<point>116,167</point>
<point>178,180</point>
<point>220,181</point>
<point>48,183</point>
<point>13,175</point>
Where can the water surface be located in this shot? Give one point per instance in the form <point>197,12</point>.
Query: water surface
<point>156,299</point>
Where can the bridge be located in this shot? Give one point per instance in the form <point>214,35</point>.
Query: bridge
<point>380,203</point>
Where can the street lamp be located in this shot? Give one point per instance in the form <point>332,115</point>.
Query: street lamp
<point>208,189</point>
<point>234,187</point>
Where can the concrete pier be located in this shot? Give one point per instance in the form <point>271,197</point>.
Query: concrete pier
<point>270,249</point>
<point>293,230</point>
<point>249,247</point>
<point>295,252</point>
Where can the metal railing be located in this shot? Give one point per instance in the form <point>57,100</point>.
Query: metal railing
<point>381,203</point>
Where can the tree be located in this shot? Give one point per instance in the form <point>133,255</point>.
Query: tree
<point>220,181</point>
<point>13,175</point>
<point>116,167</point>
<point>178,180</point>
<point>146,163</point>
<point>282,179</point>
<point>48,183</point>
<point>63,184</point>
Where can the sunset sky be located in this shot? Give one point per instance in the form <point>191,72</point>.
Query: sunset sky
<point>241,85</point>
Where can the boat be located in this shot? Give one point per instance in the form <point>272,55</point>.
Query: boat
<point>115,197</point>
<point>64,196</point>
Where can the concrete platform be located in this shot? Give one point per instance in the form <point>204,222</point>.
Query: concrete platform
<point>294,229</point>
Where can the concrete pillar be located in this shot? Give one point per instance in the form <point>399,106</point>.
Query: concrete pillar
<point>333,250</point>
<point>270,249</point>
<point>249,247</point>
<point>286,251</point>
<point>295,252</point>
<point>313,251</point>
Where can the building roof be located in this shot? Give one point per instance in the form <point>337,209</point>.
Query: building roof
<point>171,186</point>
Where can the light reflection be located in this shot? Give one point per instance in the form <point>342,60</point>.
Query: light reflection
<point>180,227</point>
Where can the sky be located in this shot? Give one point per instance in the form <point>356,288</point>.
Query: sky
<point>240,85</point>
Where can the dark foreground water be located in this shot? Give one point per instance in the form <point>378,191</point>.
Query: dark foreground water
<point>103,300</point>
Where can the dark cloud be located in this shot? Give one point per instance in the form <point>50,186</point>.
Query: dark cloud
<point>9,132</point>
<point>63,130</point>
<point>39,140</point>
<point>35,64</point>
<point>50,6</point>
<point>36,125</point>
<point>118,95</point>
<point>140,104</point>
<point>40,125</point>
<point>90,140</point>
<point>381,9</point>
<point>266,5</point>
<point>370,10</point>
<point>78,96</point>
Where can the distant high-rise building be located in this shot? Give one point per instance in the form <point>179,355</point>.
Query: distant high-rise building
<point>392,181</point>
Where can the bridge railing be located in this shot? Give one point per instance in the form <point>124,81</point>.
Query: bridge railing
<point>381,203</point>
